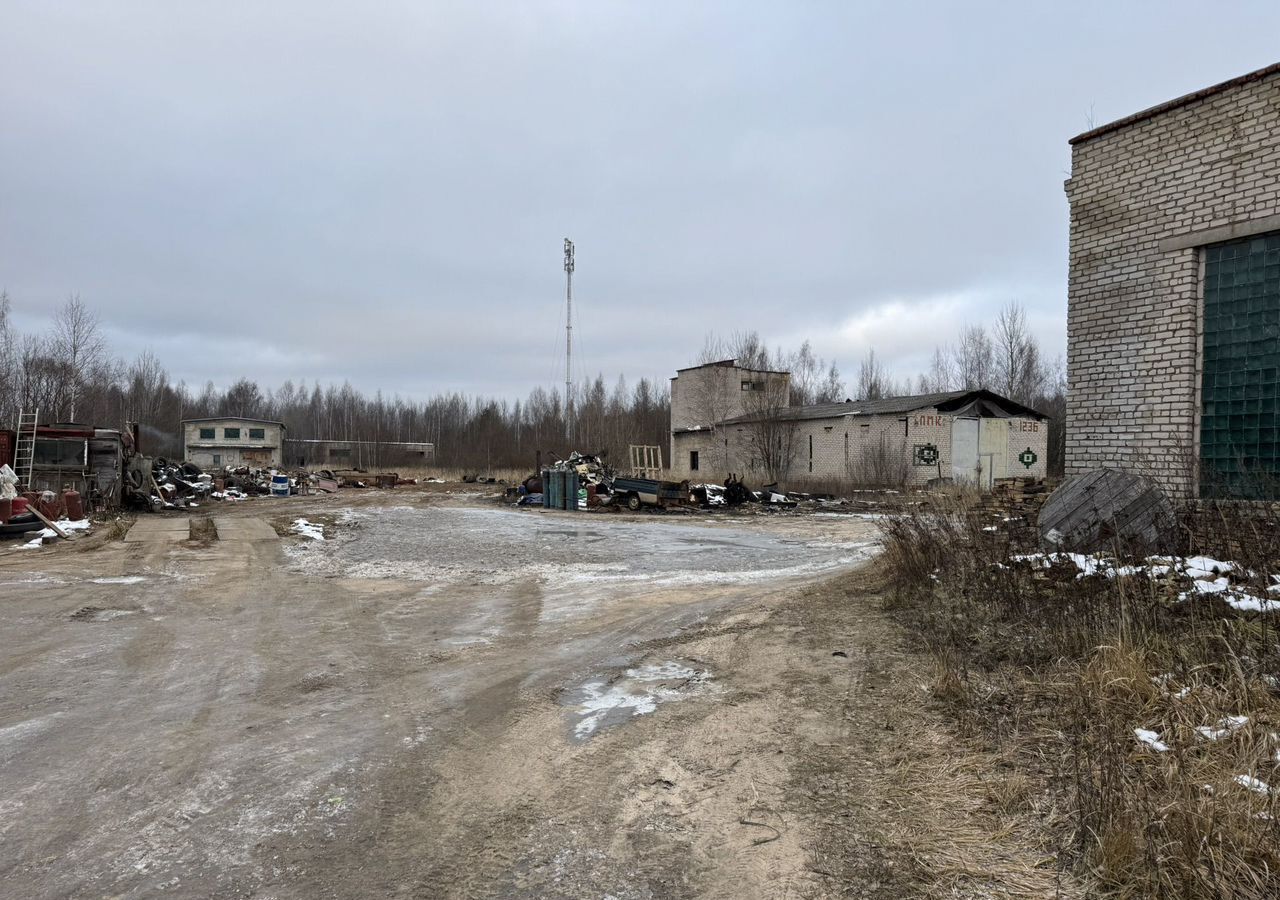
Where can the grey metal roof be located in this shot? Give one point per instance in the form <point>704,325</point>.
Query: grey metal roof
<point>944,402</point>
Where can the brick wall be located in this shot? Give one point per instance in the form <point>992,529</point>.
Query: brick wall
<point>704,395</point>
<point>1143,199</point>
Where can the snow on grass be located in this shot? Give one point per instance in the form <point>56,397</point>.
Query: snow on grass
<point>1203,575</point>
<point>308,529</point>
<point>1151,739</point>
<point>1223,728</point>
<point>1256,785</point>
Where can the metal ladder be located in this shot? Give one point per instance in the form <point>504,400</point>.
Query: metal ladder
<point>24,447</point>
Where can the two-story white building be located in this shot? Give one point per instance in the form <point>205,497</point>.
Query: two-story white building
<point>219,442</point>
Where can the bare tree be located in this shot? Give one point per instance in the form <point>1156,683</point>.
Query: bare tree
<point>771,431</point>
<point>831,389</point>
<point>941,375</point>
<point>874,382</point>
<point>1019,374</point>
<point>8,364</point>
<point>77,343</point>
<point>974,360</point>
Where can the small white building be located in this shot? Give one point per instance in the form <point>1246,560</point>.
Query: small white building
<point>228,442</point>
<point>965,436</point>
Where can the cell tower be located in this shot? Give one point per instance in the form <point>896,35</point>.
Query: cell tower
<point>568,339</point>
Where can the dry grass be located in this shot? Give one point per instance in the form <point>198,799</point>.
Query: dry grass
<point>118,527</point>
<point>1056,672</point>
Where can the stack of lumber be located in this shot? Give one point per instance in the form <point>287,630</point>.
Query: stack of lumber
<point>1012,497</point>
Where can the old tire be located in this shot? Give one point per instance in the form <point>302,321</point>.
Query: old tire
<point>633,502</point>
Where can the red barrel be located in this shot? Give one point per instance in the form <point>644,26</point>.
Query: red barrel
<point>20,506</point>
<point>73,504</point>
<point>6,510</point>
<point>48,505</point>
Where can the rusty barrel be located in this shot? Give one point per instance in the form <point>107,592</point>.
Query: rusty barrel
<point>74,505</point>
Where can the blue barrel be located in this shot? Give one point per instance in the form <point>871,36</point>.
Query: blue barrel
<point>280,485</point>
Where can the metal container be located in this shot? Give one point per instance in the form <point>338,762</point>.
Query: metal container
<point>571,487</point>
<point>74,505</point>
<point>549,489</point>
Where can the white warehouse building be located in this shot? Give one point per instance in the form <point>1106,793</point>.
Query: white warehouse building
<point>975,437</point>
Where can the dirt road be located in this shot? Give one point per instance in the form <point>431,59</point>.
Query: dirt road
<point>443,699</point>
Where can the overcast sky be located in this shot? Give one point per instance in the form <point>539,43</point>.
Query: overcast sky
<point>379,191</point>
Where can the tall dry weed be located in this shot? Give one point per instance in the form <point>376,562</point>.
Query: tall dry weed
<point>1061,671</point>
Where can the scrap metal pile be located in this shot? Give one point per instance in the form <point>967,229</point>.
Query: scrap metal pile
<point>592,483</point>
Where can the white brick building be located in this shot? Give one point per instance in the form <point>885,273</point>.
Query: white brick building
<point>228,442</point>
<point>972,436</point>
<point>1174,299</point>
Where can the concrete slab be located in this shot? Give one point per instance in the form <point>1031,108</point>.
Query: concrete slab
<point>244,530</point>
<point>148,530</point>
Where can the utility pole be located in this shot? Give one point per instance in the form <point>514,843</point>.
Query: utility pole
<point>568,339</point>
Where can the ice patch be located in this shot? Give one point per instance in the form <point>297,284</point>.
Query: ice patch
<point>119,579</point>
<point>638,692</point>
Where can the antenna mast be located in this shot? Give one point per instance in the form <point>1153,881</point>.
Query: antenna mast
<point>568,339</point>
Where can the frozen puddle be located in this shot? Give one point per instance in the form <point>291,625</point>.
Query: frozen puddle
<point>637,692</point>
<point>498,547</point>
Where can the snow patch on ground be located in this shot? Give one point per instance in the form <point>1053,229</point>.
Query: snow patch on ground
<point>1151,739</point>
<point>1203,575</point>
<point>119,579</point>
<point>67,528</point>
<point>638,692</point>
<point>1223,728</point>
<point>308,529</point>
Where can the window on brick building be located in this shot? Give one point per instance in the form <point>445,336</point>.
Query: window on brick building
<point>1240,382</point>
<point>257,434</point>
<point>231,434</point>
<point>693,460</point>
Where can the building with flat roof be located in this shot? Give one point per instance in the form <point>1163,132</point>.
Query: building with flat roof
<point>216,442</point>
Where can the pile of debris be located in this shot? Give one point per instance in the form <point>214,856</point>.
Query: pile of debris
<point>734,492</point>
<point>178,484</point>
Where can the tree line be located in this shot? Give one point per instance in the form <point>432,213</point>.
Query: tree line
<point>68,373</point>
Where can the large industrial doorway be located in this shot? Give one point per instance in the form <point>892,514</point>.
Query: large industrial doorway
<point>979,451</point>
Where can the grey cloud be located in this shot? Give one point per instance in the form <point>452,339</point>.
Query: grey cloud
<point>379,193</point>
